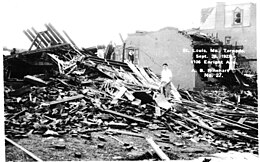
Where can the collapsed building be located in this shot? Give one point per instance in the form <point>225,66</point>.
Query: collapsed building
<point>56,89</point>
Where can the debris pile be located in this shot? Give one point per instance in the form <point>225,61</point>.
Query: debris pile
<point>77,94</point>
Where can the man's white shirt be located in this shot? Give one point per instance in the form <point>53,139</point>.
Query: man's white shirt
<point>166,75</point>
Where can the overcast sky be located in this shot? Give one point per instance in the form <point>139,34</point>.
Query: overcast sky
<point>96,22</point>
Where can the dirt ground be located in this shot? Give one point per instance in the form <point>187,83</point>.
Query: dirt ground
<point>91,149</point>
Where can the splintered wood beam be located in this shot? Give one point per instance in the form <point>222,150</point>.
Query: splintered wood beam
<point>32,40</point>
<point>232,121</point>
<point>58,40</point>
<point>64,100</point>
<point>224,134</point>
<point>181,124</point>
<point>23,149</point>
<point>33,43</point>
<point>157,149</point>
<point>28,36</point>
<point>35,80</point>
<point>48,34</point>
<point>34,37</point>
<point>71,41</point>
<point>17,114</point>
<point>41,38</point>
<point>58,34</point>
<point>126,116</point>
<point>43,34</point>
<point>225,121</point>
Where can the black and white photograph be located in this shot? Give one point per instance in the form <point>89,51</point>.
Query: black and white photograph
<point>129,80</point>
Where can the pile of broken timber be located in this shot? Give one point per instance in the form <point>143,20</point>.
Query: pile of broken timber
<point>83,94</point>
<point>100,97</point>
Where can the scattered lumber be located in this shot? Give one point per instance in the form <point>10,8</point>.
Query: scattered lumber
<point>127,116</point>
<point>64,100</point>
<point>157,149</point>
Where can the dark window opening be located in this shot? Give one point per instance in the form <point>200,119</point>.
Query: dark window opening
<point>228,40</point>
<point>237,16</point>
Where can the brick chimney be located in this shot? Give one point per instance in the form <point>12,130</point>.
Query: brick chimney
<point>220,15</point>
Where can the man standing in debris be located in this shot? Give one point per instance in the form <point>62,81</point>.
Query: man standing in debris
<point>166,77</point>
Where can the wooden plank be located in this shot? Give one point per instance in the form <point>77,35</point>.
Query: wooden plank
<point>157,149</point>
<point>31,39</point>
<point>126,116</point>
<point>231,121</point>
<point>28,36</point>
<point>58,40</point>
<point>64,100</point>
<point>141,74</point>
<point>40,36</point>
<point>247,137</point>
<point>71,41</point>
<point>71,70</point>
<point>43,34</point>
<point>129,96</point>
<point>35,80</point>
<point>48,34</point>
<point>137,73</point>
<point>17,114</point>
<point>120,93</point>
<point>33,43</point>
<point>63,83</point>
<point>237,114</point>
<point>152,75</point>
<point>224,134</point>
<point>147,77</point>
<point>226,122</point>
<point>242,120</point>
<point>23,149</point>
<point>20,91</point>
<point>57,33</point>
<point>32,35</point>
<point>198,118</point>
<point>179,123</point>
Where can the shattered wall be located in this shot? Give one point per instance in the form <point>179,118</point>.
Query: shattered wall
<point>165,45</point>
